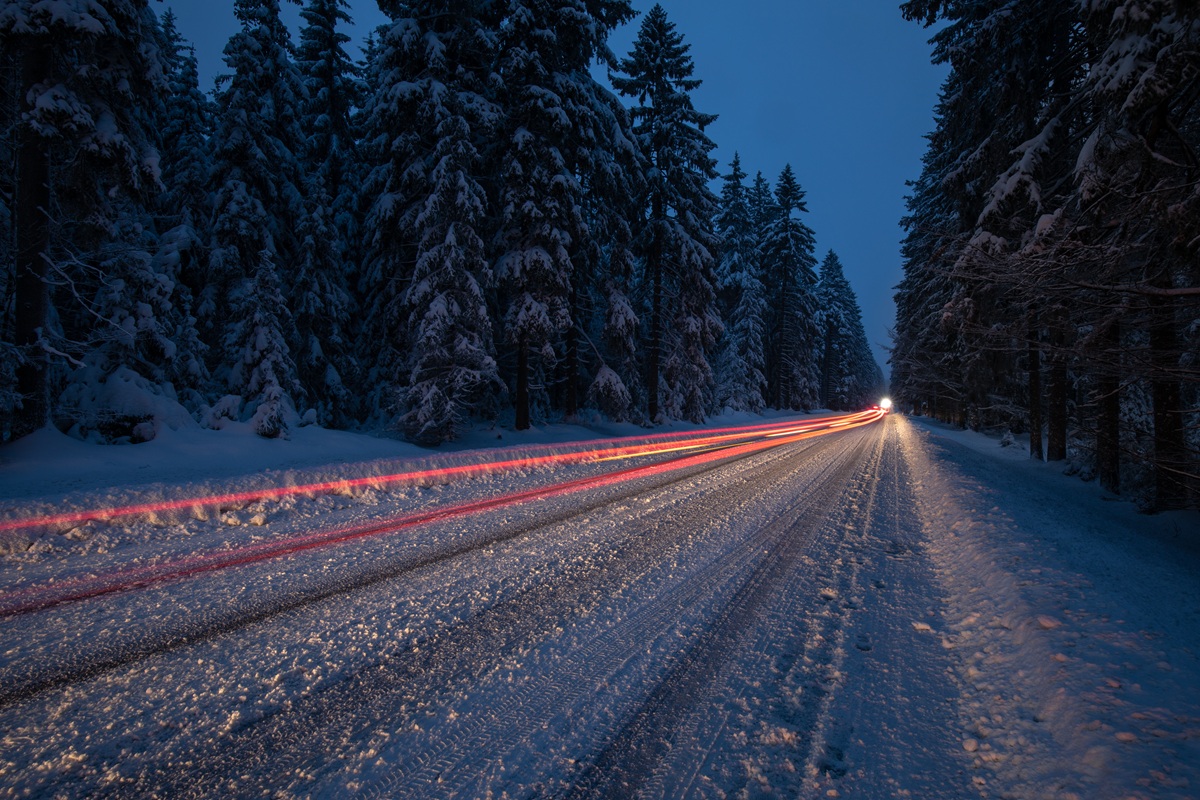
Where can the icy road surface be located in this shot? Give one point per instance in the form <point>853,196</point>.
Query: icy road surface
<point>876,613</point>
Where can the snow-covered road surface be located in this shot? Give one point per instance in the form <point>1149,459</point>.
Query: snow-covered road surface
<point>870,613</point>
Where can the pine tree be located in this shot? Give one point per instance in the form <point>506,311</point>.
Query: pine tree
<point>323,303</point>
<point>262,365</point>
<point>258,184</point>
<point>426,267</point>
<point>550,135</point>
<point>850,378</point>
<point>323,309</point>
<point>334,89</point>
<point>187,124</point>
<point>1015,102</point>
<point>929,358</point>
<point>1139,205</point>
<point>743,302</point>
<point>763,210</point>
<point>793,336</point>
<point>89,80</point>
<point>677,236</point>
<point>613,176</point>
<point>184,205</point>
<point>1051,237</point>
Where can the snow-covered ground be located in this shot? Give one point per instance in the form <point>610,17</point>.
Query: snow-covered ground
<point>901,610</point>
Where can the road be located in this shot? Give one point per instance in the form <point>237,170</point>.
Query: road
<point>729,626</point>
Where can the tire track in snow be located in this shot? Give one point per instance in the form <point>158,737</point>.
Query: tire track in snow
<point>813,602</point>
<point>638,748</point>
<point>279,745</point>
<point>722,584</point>
<point>26,678</point>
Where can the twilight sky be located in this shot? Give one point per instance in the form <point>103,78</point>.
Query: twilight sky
<point>841,90</point>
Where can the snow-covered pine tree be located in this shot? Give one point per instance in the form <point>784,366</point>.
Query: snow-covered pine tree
<point>452,369</point>
<point>335,89</point>
<point>763,209</point>
<point>850,378</point>
<point>258,183</point>
<point>541,216</point>
<point>677,236</point>
<point>929,358</point>
<point>426,268</point>
<point>186,126</point>
<point>742,299</point>
<point>323,305</point>
<point>184,205</point>
<point>1138,179</point>
<point>793,334</point>
<point>10,111</point>
<point>87,167</point>
<point>1006,129</point>
<point>323,309</point>
<point>613,174</point>
<point>1050,226</point>
<point>262,366</point>
<point>550,130</point>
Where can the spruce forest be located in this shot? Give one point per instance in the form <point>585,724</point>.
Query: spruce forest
<point>465,226</point>
<point>1051,272</point>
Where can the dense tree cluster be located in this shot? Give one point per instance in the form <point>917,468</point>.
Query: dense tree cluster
<point>464,226</point>
<point>1052,257</point>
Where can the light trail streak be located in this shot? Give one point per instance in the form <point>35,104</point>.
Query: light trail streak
<point>601,450</point>
<point>37,598</point>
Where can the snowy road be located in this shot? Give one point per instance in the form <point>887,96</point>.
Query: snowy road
<point>767,623</point>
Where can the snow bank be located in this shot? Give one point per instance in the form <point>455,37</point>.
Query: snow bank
<point>1074,620</point>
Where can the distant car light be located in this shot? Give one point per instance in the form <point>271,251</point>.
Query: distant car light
<point>886,404</point>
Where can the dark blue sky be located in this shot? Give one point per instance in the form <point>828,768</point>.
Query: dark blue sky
<point>842,90</point>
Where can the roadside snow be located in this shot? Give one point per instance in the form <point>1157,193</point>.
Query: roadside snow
<point>1075,621</point>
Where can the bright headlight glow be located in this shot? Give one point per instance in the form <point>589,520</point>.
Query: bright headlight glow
<point>885,403</point>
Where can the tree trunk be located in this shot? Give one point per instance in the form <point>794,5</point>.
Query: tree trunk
<point>654,269</point>
<point>521,401</point>
<point>1108,424</point>
<point>783,381</point>
<point>1035,395</point>
<point>827,366</point>
<point>571,362</point>
<point>32,242</point>
<point>1056,399</point>
<point>1170,452</point>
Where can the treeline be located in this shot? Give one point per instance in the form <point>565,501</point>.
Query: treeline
<point>464,226</point>
<point>1052,256</point>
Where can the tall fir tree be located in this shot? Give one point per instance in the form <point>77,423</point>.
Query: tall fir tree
<point>850,378</point>
<point>426,268</point>
<point>262,365</point>
<point>10,355</point>
<point>334,88</point>
<point>184,205</point>
<point>551,125</point>
<point>613,175</point>
<point>761,200</point>
<point>258,187</point>
<point>742,299</point>
<point>793,336</point>
<point>87,168</point>
<point>677,236</point>
<point>1051,237</point>
<point>321,297</point>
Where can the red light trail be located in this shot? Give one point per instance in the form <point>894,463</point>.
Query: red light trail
<point>715,444</point>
